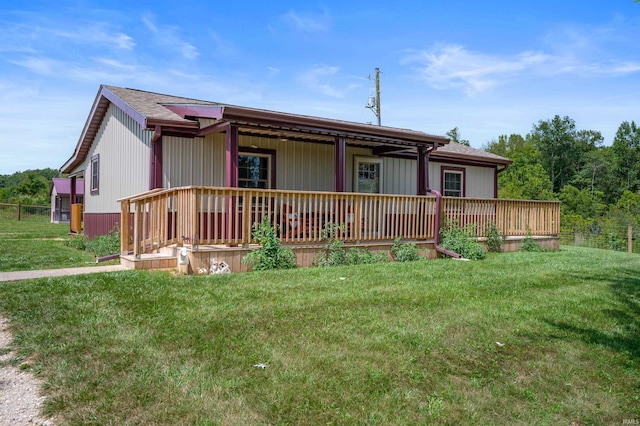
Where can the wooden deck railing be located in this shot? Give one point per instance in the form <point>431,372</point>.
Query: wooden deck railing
<point>210,215</point>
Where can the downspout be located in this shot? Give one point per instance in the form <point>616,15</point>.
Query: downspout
<point>437,227</point>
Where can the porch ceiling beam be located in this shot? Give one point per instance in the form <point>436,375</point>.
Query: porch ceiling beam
<point>214,128</point>
<point>382,150</point>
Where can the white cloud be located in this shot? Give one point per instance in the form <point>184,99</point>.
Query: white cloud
<point>320,80</point>
<point>453,66</point>
<point>308,22</point>
<point>167,36</point>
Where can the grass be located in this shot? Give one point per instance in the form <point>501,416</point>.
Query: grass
<point>399,343</point>
<point>35,243</point>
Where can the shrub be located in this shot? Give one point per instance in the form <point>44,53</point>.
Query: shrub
<point>272,255</point>
<point>494,239</point>
<point>530,245</point>
<point>405,252</point>
<point>104,245</point>
<point>78,242</point>
<point>461,241</point>
<point>333,252</point>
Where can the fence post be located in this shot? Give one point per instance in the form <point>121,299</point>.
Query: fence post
<point>19,210</point>
<point>630,238</point>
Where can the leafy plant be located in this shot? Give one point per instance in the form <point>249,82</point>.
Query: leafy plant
<point>272,255</point>
<point>333,252</point>
<point>462,241</point>
<point>103,245</point>
<point>494,239</point>
<point>405,252</point>
<point>529,244</point>
<point>78,242</point>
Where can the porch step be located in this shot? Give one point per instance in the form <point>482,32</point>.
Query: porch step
<point>149,261</point>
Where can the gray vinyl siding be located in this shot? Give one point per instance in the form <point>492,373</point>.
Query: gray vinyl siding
<point>479,181</point>
<point>193,161</point>
<point>123,147</point>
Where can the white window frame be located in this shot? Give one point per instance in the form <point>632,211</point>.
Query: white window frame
<point>447,192</point>
<point>94,181</point>
<point>357,161</point>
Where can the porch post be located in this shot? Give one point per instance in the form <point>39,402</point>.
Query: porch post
<point>231,169</point>
<point>155,160</point>
<point>423,170</point>
<point>72,200</point>
<point>340,164</point>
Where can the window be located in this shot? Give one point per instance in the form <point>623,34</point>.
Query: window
<point>368,173</point>
<point>254,170</point>
<point>95,174</point>
<point>453,182</point>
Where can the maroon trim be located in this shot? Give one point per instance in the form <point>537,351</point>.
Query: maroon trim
<point>495,183</point>
<point>155,166</point>
<point>272,161</point>
<point>231,169</point>
<point>200,111</point>
<point>94,190</point>
<point>443,170</point>
<point>72,198</point>
<point>214,128</point>
<point>100,223</point>
<point>423,171</point>
<point>340,164</point>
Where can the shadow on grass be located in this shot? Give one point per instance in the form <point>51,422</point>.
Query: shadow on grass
<point>626,290</point>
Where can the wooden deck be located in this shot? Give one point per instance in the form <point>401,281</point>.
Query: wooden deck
<point>208,216</point>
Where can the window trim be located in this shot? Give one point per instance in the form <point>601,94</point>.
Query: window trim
<point>270,154</point>
<point>95,169</point>
<point>357,160</point>
<point>454,170</point>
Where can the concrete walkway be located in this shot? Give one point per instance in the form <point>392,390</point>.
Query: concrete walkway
<point>45,273</point>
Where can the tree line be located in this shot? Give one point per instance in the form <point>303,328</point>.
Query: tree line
<point>556,161</point>
<point>30,187</point>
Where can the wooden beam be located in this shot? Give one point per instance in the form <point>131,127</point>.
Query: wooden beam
<point>231,165</point>
<point>340,164</point>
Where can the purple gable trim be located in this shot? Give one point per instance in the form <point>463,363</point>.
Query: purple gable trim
<point>201,111</point>
<point>63,186</point>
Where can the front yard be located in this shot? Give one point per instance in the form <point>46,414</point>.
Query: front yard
<point>524,338</point>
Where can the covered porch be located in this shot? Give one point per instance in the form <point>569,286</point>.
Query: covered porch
<point>218,219</point>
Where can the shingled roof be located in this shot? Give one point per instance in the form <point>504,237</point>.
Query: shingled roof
<point>151,109</point>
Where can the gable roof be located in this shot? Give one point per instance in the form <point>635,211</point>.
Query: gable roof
<point>180,115</point>
<point>63,186</point>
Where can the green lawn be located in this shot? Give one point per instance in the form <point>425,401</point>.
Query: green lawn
<point>35,243</point>
<point>412,343</point>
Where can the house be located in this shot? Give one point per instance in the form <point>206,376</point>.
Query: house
<point>60,193</point>
<point>134,142</point>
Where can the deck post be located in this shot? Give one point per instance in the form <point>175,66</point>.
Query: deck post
<point>125,227</point>
<point>423,171</point>
<point>231,181</point>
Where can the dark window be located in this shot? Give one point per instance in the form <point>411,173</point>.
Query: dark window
<point>95,174</point>
<point>254,171</point>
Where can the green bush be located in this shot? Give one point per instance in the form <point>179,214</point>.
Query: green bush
<point>333,252</point>
<point>461,241</point>
<point>494,239</point>
<point>78,242</point>
<point>272,255</point>
<point>405,252</point>
<point>104,245</point>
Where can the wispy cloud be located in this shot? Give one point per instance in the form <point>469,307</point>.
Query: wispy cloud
<point>169,37</point>
<point>453,66</point>
<point>308,22</point>
<point>322,79</point>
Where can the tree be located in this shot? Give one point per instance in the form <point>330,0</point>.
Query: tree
<point>514,147</point>
<point>626,156</point>
<point>556,141</point>
<point>525,182</point>
<point>454,134</point>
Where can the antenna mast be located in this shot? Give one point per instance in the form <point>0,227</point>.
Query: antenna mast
<point>374,103</point>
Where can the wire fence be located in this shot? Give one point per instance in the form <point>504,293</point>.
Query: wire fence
<point>616,237</point>
<point>24,212</point>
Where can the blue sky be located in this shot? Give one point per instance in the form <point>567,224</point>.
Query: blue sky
<point>488,68</point>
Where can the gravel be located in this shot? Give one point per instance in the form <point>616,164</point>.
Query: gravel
<point>20,399</point>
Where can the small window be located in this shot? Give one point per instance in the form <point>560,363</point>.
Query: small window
<point>254,170</point>
<point>453,183</point>
<point>368,173</point>
<point>95,174</point>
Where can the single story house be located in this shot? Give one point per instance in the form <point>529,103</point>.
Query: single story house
<point>139,149</point>
<point>60,193</point>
